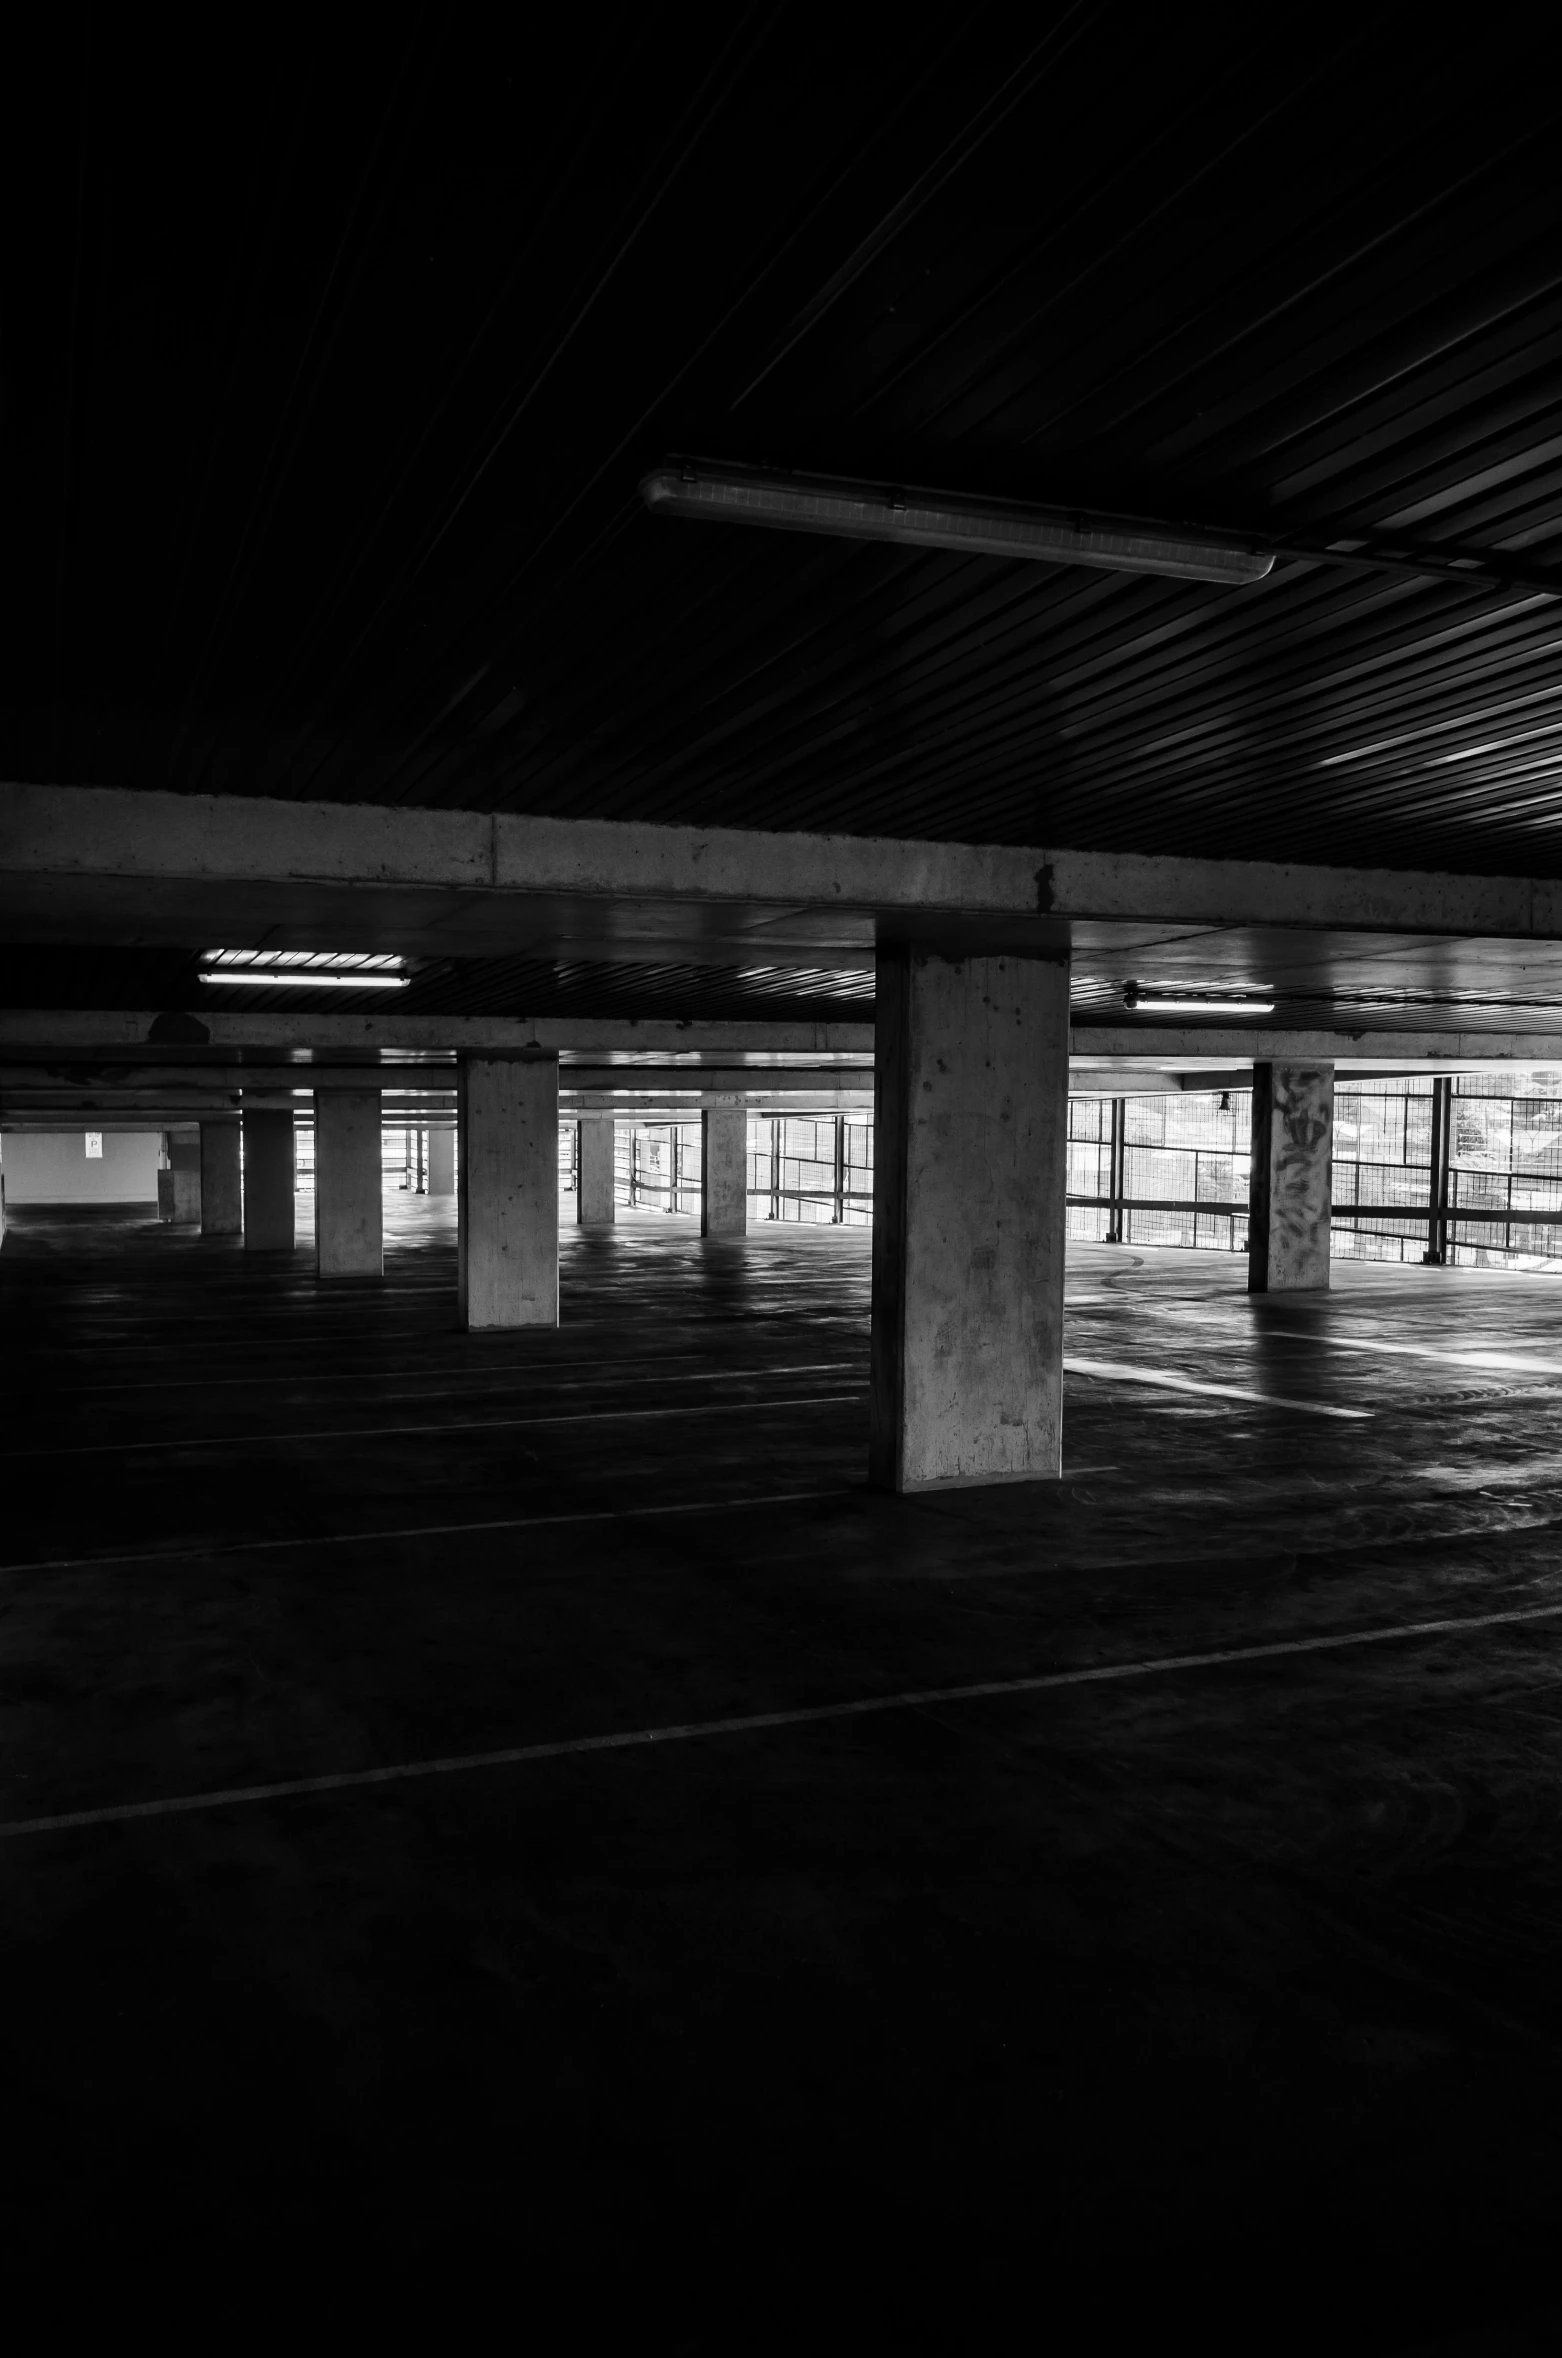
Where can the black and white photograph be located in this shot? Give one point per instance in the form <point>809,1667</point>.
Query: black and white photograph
<point>781,1179</point>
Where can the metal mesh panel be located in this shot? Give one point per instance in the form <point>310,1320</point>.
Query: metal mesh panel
<point>1183,1159</point>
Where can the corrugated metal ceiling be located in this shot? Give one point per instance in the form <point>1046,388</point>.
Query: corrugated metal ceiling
<point>66,976</point>
<point>331,381</point>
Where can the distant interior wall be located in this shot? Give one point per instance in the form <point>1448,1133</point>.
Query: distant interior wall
<point>52,1167</point>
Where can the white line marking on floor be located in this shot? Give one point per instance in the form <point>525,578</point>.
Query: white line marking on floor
<point>752,1722</point>
<point>517,1371</point>
<point>1485,1359</point>
<point>1121,1372</point>
<point>486,1424</point>
<point>252,1547</point>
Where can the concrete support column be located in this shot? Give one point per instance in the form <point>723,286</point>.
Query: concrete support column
<point>1288,1193</point>
<point>184,1161</point>
<point>222,1195</point>
<point>349,1210</point>
<point>724,1168</point>
<point>269,1179</point>
<point>969,1186</point>
<point>595,1198</point>
<point>442,1162</point>
<point>507,1192</point>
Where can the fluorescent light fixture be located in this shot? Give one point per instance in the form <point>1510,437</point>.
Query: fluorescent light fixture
<point>1140,1002</point>
<point>289,978</point>
<point>943,520</point>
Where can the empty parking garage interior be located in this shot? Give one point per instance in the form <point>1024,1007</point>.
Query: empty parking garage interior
<point>781,1179</point>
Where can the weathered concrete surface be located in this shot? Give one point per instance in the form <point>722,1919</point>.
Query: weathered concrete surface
<point>1288,1197</point>
<point>349,1203</point>
<point>222,1182</point>
<point>1187,1972</point>
<point>73,834</point>
<point>184,1166</point>
<point>442,1162</point>
<point>507,1191</point>
<point>114,1028</point>
<point>724,1169</point>
<point>968,1207</point>
<point>595,1201</point>
<point>269,1179</point>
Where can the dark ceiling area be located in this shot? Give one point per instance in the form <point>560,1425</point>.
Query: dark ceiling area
<point>337,348</point>
<point>71,975</point>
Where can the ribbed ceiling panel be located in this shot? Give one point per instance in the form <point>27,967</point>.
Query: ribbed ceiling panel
<point>331,380</point>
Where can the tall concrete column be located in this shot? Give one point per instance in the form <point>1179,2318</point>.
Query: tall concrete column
<point>724,1168</point>
<point>222,1196</point>
<point>595,1194</point>
<point>442,1162</point>
<point>1289,1191</point>
<point>507,1191</point>
<point>184,1160</point>
<point>969,1187</point>
<point>269,1179</point>
<point>349,1209</point>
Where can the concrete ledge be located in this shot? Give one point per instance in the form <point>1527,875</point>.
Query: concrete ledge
<point>270,848</point>
<point>112,1031</point>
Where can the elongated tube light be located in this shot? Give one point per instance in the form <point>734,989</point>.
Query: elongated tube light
<point>939,520</point>
<point>288,978</point>
<point>1140,1002</point>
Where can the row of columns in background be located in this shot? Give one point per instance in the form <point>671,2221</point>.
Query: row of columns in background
<point>509,1158</point>
<point>971,1153</point>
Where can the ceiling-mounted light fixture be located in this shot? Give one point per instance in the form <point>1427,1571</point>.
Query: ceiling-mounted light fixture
<point>944,520</point>
<point>1139,1002</point>
<point>312,970</point>
<point>283,978</point>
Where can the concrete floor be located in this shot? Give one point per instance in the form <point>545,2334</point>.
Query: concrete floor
<point>1215,2003</point>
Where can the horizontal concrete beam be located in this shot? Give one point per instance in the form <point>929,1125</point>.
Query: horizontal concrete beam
<point>256,1080</point>
<point>1180,1048</point>
<point>63,840</point>
<point>99,830</point>
<point>70,1121</point>
<point>305,1036</point>
<point>297,1041</point>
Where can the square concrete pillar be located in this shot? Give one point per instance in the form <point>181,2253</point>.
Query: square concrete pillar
<point>724,1168</point>
<point>184,1163</point>
<point>969,1186</point>
<point>269,1179</point>
<point>1289,1191</point>
<point>507,1191</point>
<point>442,1162</point>
<point>222,1194</point>
<point>595,1194</point>
<point>349,1210</point>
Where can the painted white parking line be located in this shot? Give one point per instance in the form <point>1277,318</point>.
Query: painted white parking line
<point>486,1424</point>
<point>753,1722</point>
<point>218,1548</point>
<point>1116,1371</point>
<point>1489,1360</point>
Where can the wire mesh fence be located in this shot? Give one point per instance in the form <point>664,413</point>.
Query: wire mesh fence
<point>1168,1169</point>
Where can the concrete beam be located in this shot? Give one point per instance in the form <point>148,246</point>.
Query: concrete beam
<point>303,1036</point>
<point>297,1042</point>
<point>152,863</point>
<point>1184,1047</point>
<point>401,1080</point>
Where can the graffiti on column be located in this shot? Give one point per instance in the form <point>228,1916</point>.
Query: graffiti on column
<point>1299,1168</point>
